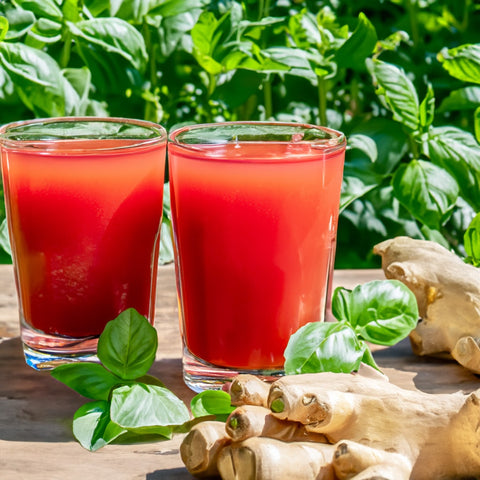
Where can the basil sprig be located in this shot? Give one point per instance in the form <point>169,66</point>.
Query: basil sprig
<point>381,312</point>
<point>128,404</point>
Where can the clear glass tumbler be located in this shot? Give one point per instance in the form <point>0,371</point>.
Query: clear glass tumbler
<point>254,208</point>
<point>84,208</point>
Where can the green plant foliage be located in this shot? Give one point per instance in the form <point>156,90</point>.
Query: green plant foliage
<point>399,77</point>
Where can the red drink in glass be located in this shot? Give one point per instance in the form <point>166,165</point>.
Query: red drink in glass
<point>255,226</point>
<point>84,217</point>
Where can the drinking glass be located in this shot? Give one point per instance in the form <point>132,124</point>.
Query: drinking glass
<point>254,209</point>
<point>84,208</point>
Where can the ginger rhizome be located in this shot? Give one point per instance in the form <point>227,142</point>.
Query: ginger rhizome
<point>339,427</point>
<point>448,296</point>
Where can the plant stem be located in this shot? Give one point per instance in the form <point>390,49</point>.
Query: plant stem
<point>322,101</point>
<point>66,49</point>
<point>412,15</point>
<point>267,97</point>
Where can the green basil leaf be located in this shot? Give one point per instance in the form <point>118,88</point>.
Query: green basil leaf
<point>476,118</point>
<point>393,85</point>
<point>382,311</point>
<point>427,109</point>
<point>458,152</point>
<point>37,78</point>
<point>4,238</point>
<point>323,347</point>
<point>3,28</point>
<point>471,240</point>
<point>462,62</point>
<point>209,36</point>
<point>91,380</point>
<point>79,84</point>
<point>147,409</point>
<point>358,46</point>
<point>127,345</point>
<point>170,8</point>
<point>19,21</point>
<point>212,402</point>
<point>427,191</point>
<point>92,426</point>
<point>467,98</point>
<point>42,8</point>
<point>111,36</point>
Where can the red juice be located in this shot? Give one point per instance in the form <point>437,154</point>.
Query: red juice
<point>84,219</point>
<point>255,230</point>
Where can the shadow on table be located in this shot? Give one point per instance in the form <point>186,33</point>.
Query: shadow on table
<point>169,474</point>
<point>36,407</point>
<point>429,374</point>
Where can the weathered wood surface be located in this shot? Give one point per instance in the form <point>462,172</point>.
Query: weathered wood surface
<point>36,410</point>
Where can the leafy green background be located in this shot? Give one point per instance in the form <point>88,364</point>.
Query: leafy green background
<point>400,77</point>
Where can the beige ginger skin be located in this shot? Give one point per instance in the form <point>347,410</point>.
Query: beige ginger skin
<point>335,426</point>
<point>448,296</point>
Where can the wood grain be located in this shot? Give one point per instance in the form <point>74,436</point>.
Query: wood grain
<point>36,411</point>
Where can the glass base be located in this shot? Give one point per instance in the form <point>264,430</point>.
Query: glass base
<point>44,352</point>
<point>199,375</point>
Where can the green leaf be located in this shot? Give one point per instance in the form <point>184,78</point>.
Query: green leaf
<point>111,36</point>
<point>147,409</point>
<point>207,34</point>
<point>458,152</point>
<point>3,28</point>
<point>4,238</point>
<point>462,62</point>
<point>127,345</point>
<point>476,118</point>
<point>427,191</point>
<point>42,8</point>
<point>323,347</point>
<point>471,240</point>
<point>19,21</point>
<point>92,426</point>
<point>393,85</point>
<point>382,311</point>
<point>427,109</point>
<point>88,379</point>
<point>359,45</point>
<point>79,84</point>
<point>467,98</point>
<point>170,8</point>
<point>212,402</point>
<point>37,78</point>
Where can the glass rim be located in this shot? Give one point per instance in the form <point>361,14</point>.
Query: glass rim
<point>333,140</point>
<point>10,134</point>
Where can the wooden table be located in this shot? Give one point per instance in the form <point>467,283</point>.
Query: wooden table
<point>36,411</point>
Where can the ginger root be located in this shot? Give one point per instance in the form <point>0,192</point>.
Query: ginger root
<point>448,296</point>
<point>346,427</point>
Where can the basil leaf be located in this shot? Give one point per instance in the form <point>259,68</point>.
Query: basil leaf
<point>112,35</point>
<point>212,402</point>
<point>92,426</point>
<point>462,62</point>
<point>466,98</point>
<point>149,409</point>
<point>88,379</point>
<point>471,240</point>
<point>427,109</point>
<point>127,345</point>
<point>458,152</point>
<point>324,347</point>
<point>4,238</point>
<point>382,311</point>
<point>429,192</point>
<point>36,76</point>
<point>393,85</point>
<point>358,46</point>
